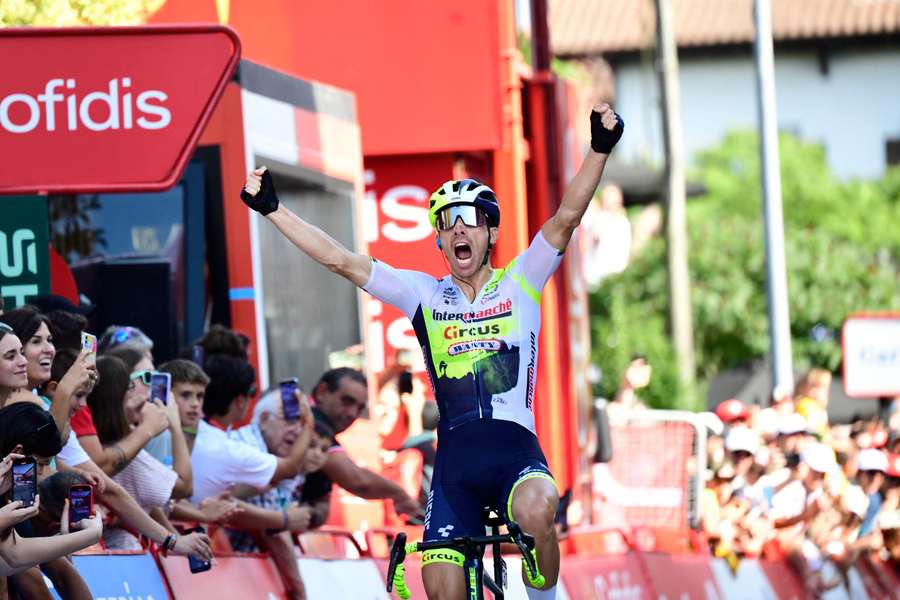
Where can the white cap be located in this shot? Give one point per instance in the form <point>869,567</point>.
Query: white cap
<point>791,424</point>
<point>742,438</point>
<point>857,501</point>
<point>819,457</point>
<point>712,422</point>
<point>871,460</point>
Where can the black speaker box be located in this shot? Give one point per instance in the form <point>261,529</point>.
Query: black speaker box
<point>132,291</point>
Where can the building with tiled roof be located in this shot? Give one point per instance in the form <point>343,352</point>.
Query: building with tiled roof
<point>837,72</point>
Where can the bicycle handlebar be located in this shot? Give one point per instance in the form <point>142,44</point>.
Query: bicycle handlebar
<point>399,550</point>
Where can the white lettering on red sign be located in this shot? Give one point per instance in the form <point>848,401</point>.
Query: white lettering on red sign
<point>403,221</point>
<point>23,113</point>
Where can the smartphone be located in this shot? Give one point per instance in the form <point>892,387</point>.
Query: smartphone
<point>198,355</point>
<point>405,383</point>
<point>89,343</point>
<point>24,479</point>
<point>81,502</point>
<point>160,384</point>
<point>197,565</point>
<point>289,399</point>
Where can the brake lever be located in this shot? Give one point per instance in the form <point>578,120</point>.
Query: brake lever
<point>525,543</point>
<point>398,555</point>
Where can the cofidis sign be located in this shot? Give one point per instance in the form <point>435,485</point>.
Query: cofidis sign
<point>107,109</point>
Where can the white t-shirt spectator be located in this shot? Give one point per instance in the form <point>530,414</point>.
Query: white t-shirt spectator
<point>220,463</point>
<point>72,453</point>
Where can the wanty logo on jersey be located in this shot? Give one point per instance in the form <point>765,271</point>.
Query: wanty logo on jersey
<point>503,309</point>
<point>120,108</point>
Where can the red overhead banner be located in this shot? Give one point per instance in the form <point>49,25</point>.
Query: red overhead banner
<point>107,109</point>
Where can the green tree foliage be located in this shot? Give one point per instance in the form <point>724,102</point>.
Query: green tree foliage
<point>843,255</point>
<point>64,13</point>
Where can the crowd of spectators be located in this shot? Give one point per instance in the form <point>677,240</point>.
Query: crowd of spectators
<point>783,482</point>
<point>158,469</point>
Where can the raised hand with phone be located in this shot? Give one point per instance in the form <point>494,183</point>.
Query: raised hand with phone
<point>15,511</point>
<point>82,375</point>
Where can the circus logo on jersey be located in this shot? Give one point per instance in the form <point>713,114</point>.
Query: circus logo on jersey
<point>486,345</point>
<point>503,309</point>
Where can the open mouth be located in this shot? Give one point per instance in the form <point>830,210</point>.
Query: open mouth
<point>45,363</point>
<point>462,251</point>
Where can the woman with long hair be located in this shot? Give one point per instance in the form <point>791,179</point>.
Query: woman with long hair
<point>149,482</point>
<point>33,330</point>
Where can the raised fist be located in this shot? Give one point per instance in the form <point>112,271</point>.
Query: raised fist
<point>259,191</point>
<point>606,128</point>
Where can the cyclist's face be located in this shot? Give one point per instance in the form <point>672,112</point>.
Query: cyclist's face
<point>345,404</point>
<point>465,246</point>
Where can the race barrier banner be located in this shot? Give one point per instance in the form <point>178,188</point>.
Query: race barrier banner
<point>346,578</point>
<point>115,576</point>
<point>633,575</point>
<point>616,577</point>
<point>247,576</point>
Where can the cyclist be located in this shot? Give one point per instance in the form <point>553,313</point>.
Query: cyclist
<point>478,331</point>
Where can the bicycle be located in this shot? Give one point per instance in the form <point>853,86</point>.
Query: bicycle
<point>472,548</point>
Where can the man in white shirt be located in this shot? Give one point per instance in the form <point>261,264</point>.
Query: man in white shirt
<point>220,463</point>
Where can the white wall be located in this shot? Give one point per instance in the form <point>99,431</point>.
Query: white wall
<point>853,109</point>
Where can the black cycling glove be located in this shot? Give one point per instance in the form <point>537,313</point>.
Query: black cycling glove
<point>265,201</point>
<point>604,140</point>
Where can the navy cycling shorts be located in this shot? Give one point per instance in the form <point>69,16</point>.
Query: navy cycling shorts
<point>479,464</point>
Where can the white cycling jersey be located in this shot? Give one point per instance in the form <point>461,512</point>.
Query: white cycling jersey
<point>481,356</point>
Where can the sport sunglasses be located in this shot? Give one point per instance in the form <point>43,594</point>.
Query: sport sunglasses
<point>471,216</point>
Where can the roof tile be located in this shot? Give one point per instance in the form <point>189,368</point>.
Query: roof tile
<point>583,27</point>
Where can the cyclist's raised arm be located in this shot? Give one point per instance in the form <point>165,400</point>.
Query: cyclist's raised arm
<point>259,194</point>
<point>606,129</point>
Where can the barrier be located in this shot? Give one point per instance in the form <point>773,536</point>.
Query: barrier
<point>652,478</point>
<point>238,576</point>
<point>751,581</point>
<point>618,577</point>
<point>331,579</point>
<point>115,575</point>
<point>680,576</point>
<point>629,575</point>
<point>329,542</point>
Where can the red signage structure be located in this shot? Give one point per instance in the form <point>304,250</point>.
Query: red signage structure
<point>107,109</point>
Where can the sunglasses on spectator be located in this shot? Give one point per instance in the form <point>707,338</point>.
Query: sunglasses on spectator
<point>5,328</point>
<point>144,376</point>
<point>124,334</point>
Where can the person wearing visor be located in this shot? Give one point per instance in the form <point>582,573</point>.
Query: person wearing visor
<point>478,329</point>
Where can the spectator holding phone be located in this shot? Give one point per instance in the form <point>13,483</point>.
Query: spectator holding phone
<point>147,420</point>
<point>13,367</point>
<point>27,430</point>
<point>33,330</point>
<point>150,482</point>
<point>188,390</point>
<point>270,431</point>
<point>221,463</point>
